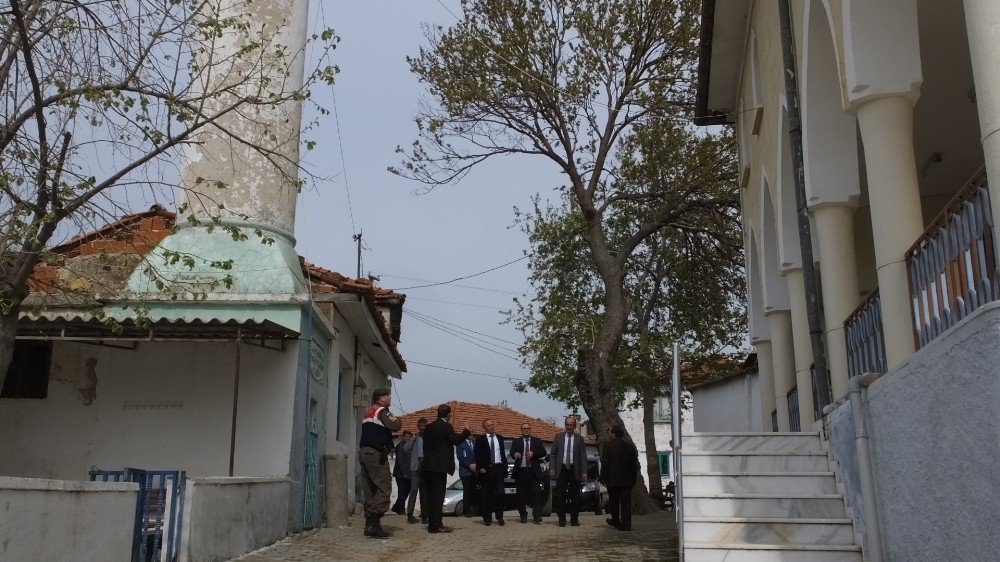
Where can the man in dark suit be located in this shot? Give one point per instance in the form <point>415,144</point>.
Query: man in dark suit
<point>619,471</point>
<point>528,453</point>
<point>569,468</point>
<point>491,465</point>
<point>439,461</point>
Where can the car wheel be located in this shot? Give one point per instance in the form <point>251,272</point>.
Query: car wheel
<point>458,508</point>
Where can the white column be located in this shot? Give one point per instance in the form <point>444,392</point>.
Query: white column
<point>887,132</point>
<point>765,373</point>
<point>982,21</point>
<point>802,346</point>
<point>839,274</point>
<point>783,356</point>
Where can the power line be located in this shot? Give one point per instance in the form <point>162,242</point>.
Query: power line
<point>340,140</point>
<point>469,339</point>
<point>468,372</point>
<point>415,314</point>
<point>409,298</point>
<point>522,258</point>
<point>502,291</point>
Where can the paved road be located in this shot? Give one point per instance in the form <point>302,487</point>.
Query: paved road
<point>653,537</point>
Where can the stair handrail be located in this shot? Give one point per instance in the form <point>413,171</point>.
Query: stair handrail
<point>675,445</point>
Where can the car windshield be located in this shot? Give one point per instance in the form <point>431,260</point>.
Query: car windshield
<point>456,485</point>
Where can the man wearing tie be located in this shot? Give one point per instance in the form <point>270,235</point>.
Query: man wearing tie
<point>491,465</point>
<point>569,468</point>
<point>528,453</point>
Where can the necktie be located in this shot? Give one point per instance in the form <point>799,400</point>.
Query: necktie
<point>524,455</point>
<point>493,451</point>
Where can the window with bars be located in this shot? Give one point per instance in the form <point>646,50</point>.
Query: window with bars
<point>664,458</point>
<point>774,420</point>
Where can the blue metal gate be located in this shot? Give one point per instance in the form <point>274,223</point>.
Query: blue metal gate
<point>158,510</point>
<point>310,501</point>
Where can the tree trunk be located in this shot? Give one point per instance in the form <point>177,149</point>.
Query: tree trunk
<point>8,329</point>
<point>649,435</point>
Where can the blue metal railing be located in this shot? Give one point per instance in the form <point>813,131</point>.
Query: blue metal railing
<point>865,342</point>
<point>794,423</point>
<point>158,510</point>
<point>952,266</point>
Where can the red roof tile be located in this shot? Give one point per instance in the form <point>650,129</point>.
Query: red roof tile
<point>507,421</point>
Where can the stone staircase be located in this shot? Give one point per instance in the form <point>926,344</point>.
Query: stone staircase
<point>752,497</point>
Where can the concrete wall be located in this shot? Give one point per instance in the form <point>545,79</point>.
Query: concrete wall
<point>227,517</point>
<point>838,428</point>
<point>729,405</point>
<point>64,520</point>
<point>160,406</point>
<point>935,442</point>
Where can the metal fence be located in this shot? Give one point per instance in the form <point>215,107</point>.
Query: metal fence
<point>158,510</point>
<point>952,267</point>
<point>865,342</point>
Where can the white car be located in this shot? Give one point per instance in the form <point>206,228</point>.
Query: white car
<point>453,499</point>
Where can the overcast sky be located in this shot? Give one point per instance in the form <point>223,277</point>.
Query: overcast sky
<point>409,239</point>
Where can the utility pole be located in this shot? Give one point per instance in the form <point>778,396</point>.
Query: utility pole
<point>357,238</point>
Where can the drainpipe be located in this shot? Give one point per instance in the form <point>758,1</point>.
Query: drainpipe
<point>865,472</point>
<point>236,403</point>
<point>819,373</point>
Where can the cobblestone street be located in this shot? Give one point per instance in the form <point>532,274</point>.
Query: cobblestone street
<point>653,537</point>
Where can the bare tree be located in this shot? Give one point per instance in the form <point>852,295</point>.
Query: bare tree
<point>100,98</point>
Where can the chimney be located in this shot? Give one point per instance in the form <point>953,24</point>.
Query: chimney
<point>238,200</point>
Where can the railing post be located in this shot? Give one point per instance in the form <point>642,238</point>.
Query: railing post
<point>675,427</point>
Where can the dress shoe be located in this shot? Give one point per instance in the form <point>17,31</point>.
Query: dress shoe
<point>612,522</point>
<point>423,520</point>
<point>487,522</point>
<point>624,528</point>
<point>411,519</point>
<point>441,529</point>
<point>575,522</point>
<point>537,521</point>
<point>524,519</point>
<point>562,522</point>
<point>500,522</point>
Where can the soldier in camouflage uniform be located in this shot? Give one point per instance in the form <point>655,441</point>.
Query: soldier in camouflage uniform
<point>376,442</point>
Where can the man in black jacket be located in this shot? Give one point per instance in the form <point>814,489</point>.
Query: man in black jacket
<point>619,471</point>
<point>439,461</point>
<point>491,465</point>
<point>528,453</point>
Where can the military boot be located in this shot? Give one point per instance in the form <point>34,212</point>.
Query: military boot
<point>378,525</point>
<point>373,529</point>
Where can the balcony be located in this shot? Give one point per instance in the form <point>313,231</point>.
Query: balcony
<point>952,266</point>
<point>952,271</point>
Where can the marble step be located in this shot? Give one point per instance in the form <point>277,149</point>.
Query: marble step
<point>701,483</point>
<point>703,461</point>
<point>765,505</point>
<point>758,530</point>
<point>789,442</point>
<point>717,552</point>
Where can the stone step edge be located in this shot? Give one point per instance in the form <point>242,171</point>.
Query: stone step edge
<point>744,474</point>
<point>750,434</point>
<point>754,453</point>
<point>788,547</point>
<point>801,521</point>
<point>766,496</point>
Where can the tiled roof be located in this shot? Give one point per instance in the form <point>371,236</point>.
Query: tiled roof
<point>721,369</point>
<point>100,261</point>
<point>507,421</point>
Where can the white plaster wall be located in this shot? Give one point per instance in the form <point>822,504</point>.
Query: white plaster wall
<point>65,520</point>
<point>227,517</point>
<point>662,432</point>
<point>161,406</point>
<point>731,405</point>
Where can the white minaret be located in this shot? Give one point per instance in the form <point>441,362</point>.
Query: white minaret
<point>240,178</point>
